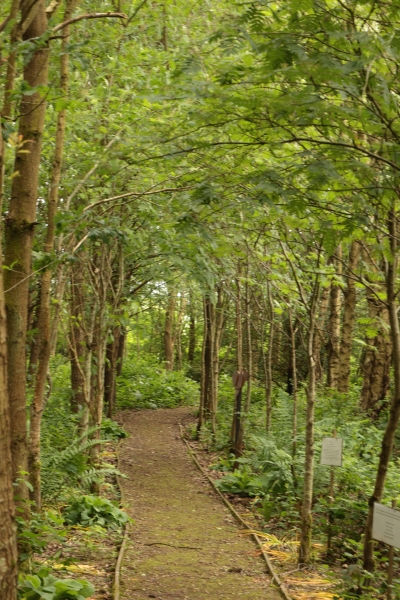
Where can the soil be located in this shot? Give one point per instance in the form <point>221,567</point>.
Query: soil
<point>184,543</point>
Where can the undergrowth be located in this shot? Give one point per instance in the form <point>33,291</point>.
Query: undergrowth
<point>271,473</point>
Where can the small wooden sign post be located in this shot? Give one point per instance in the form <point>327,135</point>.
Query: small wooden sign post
<point>331,454</point>
<point>386,529</point>
<point>239,378</point>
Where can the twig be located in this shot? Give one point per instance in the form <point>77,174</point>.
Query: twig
<point>172,545</point>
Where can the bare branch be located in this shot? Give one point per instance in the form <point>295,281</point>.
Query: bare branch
<point>89,16</point>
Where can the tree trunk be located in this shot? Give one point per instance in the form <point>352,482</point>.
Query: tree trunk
<point>121,351</point>
<point>192,331</point>
<point>349,316</point>
<point>43,338</point>
<point>306,510</point>
<point>334,325</point>
<point>376,362</point>
<point>168,332</point>
<point>97,397</point>
<point>8,542</point>
<point>203,372</point>
<point>218,331</point>
<point>76,338</point>
<point>110,372</point>
<point>19,230</point>
<point>319,336</point>
<point>177,337</point>
<point>236,434</point>
<point>394,414</point>
<point>268,362</point>
<point>294,392</point>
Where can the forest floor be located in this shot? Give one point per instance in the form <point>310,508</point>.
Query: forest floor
<point>184,543</point>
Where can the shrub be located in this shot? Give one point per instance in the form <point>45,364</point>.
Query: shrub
<point>92,510</point>
<point>44,586</point>
<point>145,384</point>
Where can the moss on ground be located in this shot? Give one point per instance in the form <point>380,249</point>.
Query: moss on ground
<point>184,544</point>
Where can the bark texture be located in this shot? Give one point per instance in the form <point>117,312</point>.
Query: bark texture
<point>168,332</point>
<point>19,231</point>
<point>43,340</point>
<point>306,509</point>
<point>349,315</point>
<point>8,542</point>
<point>376,361</point>
<point>333,348</point>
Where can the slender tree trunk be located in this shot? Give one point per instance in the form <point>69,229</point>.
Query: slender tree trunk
<point>211,390</point>
<point>319,337</point>
<point>306,510</point>
<point>43,338</point>
<point>294,393</point>
<point>334,325</point>
<point>168,332</point>
<point>19,230</point>
<point>249,344</point>
<point>349,316</point>
<point>268,362</point>
<point>121,351</point>
<point>110,372</point>
<point>219,328</point>
<point>76,338</point>
<point>377,357</point>
<point>8,542</point>
<point>97,400</point>
<point>236,434</point>
<point>203,383</point>
<point>177,337</point>
<point>394,414</point>
<point>192,330</point>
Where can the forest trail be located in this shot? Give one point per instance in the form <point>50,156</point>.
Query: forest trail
<point>205,555</point>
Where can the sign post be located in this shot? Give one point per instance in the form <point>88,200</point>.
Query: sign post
<point>331,454</point>
<point>386,529</point>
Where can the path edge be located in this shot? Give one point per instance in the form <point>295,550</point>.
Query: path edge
<point>122,548</point>
<point>272,572</point>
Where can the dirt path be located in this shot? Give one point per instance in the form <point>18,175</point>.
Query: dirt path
<point>184,543</point>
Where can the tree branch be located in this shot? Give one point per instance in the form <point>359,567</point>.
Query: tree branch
<point>89,16</point>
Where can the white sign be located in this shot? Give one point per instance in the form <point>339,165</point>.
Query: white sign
<point>331,453</point>
<point>386,525</point>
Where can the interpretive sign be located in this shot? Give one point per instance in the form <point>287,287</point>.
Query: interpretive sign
<point>386,525</point>
<point>331,453</point>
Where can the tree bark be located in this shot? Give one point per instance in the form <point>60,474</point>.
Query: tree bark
<point>8,542</point>
<point>268,362</point>
<point>294,392</point>
<point>192,330</point>
<point>168,332</point>
<point>110,371</point>
<point>19,231</point>
<point>319,337</point>
<point>375,366</point>
<point>334,325</point>
<point>76,338</point>
<point>236,434</point>
<point>306,509</point>
<point>43,338</point>
<point>394,414</point>
<point>349,316</point>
